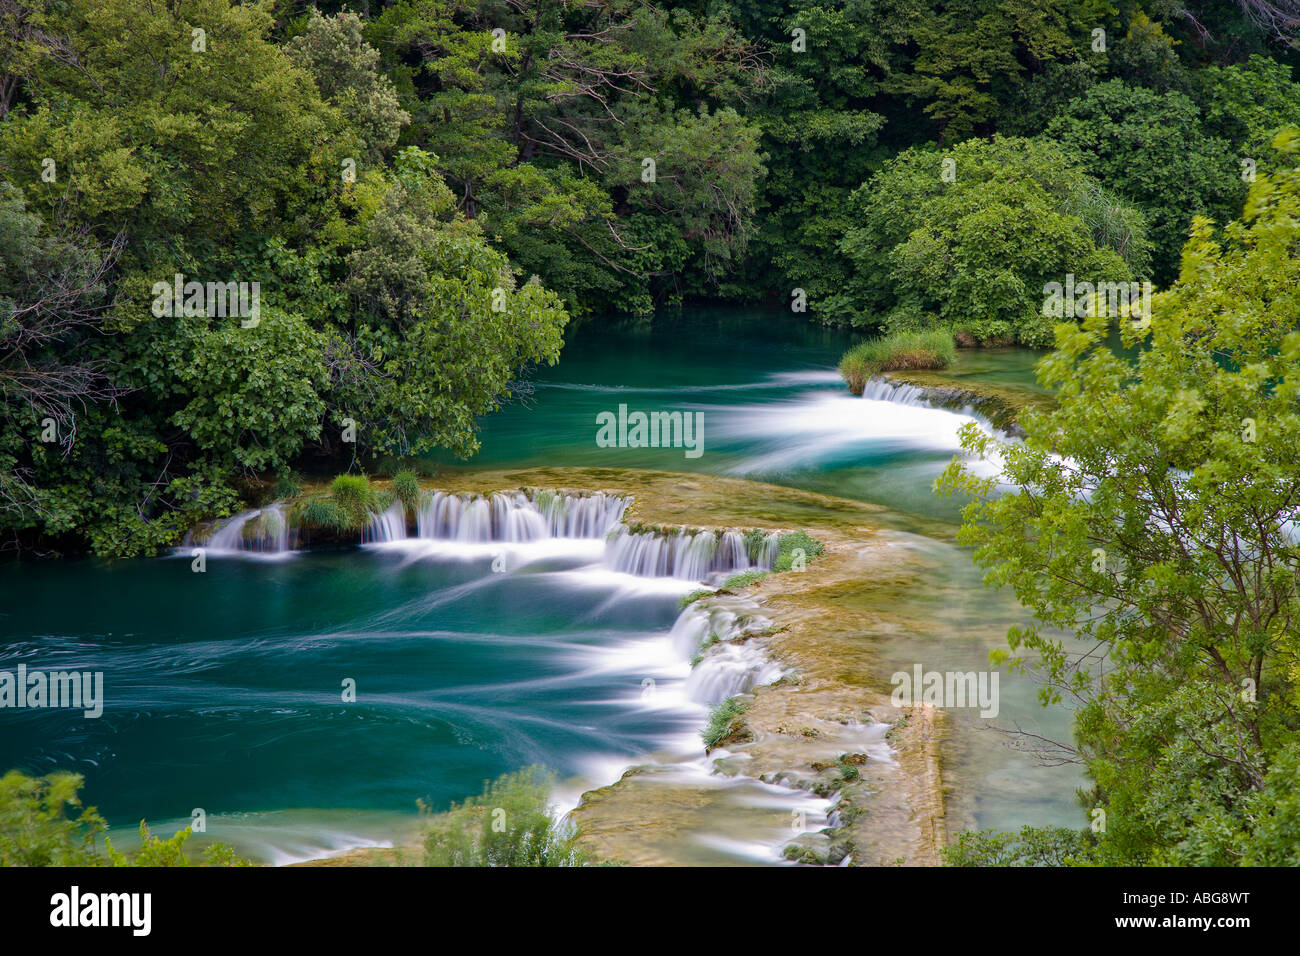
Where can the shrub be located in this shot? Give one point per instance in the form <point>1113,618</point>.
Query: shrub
<point>510,824</point>
<point>897,351</point>
<point>355,500</point>
<point>40,825</point>
<point>155,851</point>
<point>726,723</point>
<point>38,828</point>
<point>406,486</point>
<point>1032,846</point>
<point>795,541</point>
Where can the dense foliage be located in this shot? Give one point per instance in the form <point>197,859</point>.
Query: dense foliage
<point>1153,519</point>
<point>43,823</point>
<point>424,191</point>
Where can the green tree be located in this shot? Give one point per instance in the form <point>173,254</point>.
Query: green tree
<point>1152,516</point>
<point>346,70</point>
<point>42,821</point>
<point>971,56</point>
<point>1152,149</point>
<point>440,326</point>
<point>969,237</point>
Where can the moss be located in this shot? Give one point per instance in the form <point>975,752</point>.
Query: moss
<point>688,599</point>
<point>848,765</point>
<point>713,638</point>
<point>799,853</point>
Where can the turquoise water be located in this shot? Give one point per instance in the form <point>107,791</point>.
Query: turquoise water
<point>774,407</point>
<point>224,689</point>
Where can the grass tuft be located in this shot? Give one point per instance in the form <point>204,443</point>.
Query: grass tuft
<point>726,723</point>
<point>895,352</point>
<point>406,486</point>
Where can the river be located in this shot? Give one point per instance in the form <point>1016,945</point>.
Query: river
<point>224,689</point>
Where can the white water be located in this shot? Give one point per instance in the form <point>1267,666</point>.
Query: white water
<point>264,531</point>
<point>804,432</point>
<point>389,526</point>
<point>515,517</point>
<point>514,529</point>
<point>881,390</point>
<point>692,557</point>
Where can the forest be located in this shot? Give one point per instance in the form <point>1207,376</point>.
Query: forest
<point>248,244</point>
<point>426,192</point>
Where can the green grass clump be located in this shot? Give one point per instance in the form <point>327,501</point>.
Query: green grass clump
<point>406,486</point>
<point>726,723</point>
<point>355,500</point>
<point>848,765</point>
<point>794,541</point>
<point>511,823</point>
<point>321,513</point>
<point>755,542</point>
<point>744,578</point>
<point>897,351</point>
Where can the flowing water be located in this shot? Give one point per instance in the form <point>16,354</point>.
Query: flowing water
<point>500,631</point>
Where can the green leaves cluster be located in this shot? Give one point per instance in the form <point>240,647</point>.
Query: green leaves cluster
<point>973,250</point>
<point>511,823</point>
<point>43,823</point>
<point>1151,516</point>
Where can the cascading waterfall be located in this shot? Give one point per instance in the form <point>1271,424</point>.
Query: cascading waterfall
<point>731,660</point>
<point>388,526</point>
<point>517,518</point>
<point>261,531</point>
<point>580,516</point>
<point>693,557</point>
<point>881,390</point>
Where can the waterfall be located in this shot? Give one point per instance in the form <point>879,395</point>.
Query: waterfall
<point>694,557</point>
<point>730,669</point>
<point>883,390</point>
<point>262,531</point>
<point>732,661</point>
<point>389,526</point>
<point>580,516</point>
<point>514,517</point>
